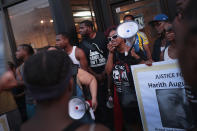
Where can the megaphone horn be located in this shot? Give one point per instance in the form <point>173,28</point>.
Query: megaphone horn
<point>127,29</point>
<point>76,108</point>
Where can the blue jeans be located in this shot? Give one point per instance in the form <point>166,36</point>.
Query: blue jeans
<point>86,118</point>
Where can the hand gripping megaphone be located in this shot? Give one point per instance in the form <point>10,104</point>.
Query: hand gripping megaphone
<point>128,30</point>
<point>78,107</point>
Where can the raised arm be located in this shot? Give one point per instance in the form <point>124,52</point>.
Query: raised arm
<point>109,64</point>
<point>89,80</point>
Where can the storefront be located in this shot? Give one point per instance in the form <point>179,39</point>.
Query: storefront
<point>36,22</point>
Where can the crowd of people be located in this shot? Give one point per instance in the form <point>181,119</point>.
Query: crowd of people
<point>35,94</point>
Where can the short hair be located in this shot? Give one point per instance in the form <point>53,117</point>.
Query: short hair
<point>28,48</point>
<point>132,17</point>
<point>46,48</point>
<point>88,23</point>
<point>11,65</point>
<point>66,35</point>
<point>47,74</point>
<point>107,32</point>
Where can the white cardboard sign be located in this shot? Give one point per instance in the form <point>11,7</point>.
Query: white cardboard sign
<point>161,97</point>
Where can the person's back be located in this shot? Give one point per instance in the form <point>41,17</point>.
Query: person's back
<point>52,87</point>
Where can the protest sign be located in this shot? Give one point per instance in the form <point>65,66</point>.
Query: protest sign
<point>161,97</point>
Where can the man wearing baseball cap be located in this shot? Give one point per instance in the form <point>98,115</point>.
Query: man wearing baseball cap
<point>158,23</point>
<point>49,77</point>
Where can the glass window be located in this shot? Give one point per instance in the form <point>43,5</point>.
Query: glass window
<point>83,10</point>
<point>143,11</point>
<point>32,23</point>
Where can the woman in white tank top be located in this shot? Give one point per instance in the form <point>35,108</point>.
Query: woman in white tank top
<point>170,52</point>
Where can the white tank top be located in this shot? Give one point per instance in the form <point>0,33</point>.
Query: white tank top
<point>73,57</point>
<point>166,56</point>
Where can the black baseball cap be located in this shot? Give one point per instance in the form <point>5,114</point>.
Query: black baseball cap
<point>47,74</point>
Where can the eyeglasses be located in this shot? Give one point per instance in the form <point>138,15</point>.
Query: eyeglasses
<point>113,37</point>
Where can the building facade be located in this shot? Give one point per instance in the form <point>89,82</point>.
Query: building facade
<point>36,22</point>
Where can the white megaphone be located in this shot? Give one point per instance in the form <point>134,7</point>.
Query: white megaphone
<point>128,30</point>
<point>78,107</point>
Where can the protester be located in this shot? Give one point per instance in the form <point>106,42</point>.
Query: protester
<point>118,67</point>
<point>170,53</point>
<point>53,48</point>
<point>84,81</point>
<point>128,18</point>
<point>160,43</point>
<point>94,44</point>
<point>52,88</point>
<point>77,55</point>
<point>141,40</point>
<point>8,105</point>
<point>23,53</point>
<point>185,24</point>
<point>18,92</point>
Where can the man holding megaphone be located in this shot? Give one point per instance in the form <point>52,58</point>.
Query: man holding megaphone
<point>52,88</point>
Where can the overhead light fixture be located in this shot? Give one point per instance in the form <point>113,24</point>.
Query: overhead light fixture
<point>51,21</point>
<point>126,13</point>
<point>42,21</point>
<point>83,14</point>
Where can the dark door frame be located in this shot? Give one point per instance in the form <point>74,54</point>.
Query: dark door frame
<point>4,5</point>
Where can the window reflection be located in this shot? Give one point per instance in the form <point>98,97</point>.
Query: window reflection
<point>32,23</point>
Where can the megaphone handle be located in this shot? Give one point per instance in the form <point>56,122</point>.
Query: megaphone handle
<point>89,102</point>
<point>92,113</point>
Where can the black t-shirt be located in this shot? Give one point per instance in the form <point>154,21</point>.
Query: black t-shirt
<point>123,80</point>
<point>96,51</point>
